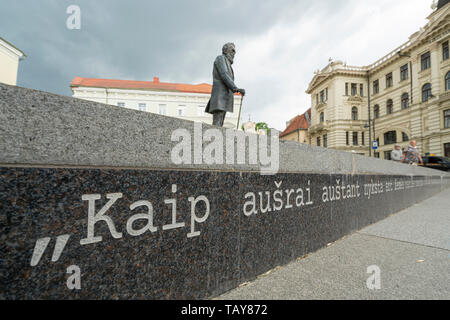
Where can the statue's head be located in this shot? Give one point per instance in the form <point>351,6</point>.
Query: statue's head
<point>229,51</point>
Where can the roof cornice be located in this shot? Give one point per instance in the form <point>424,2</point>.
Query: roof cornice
<point>19,53</point>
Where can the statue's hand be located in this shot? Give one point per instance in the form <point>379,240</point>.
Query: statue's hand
<point>241,91</point>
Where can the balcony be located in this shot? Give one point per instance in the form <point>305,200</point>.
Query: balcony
<point>319,127</point>
<point>355,99</point>
<point>444,97</point>
<point>321,105</point>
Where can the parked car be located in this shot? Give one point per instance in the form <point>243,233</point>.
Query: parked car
<point>438,163</point>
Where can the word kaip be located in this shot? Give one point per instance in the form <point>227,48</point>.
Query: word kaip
<point>100,216</point>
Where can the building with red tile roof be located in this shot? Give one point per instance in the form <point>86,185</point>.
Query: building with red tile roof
<point>154,85</point>
<point>297,129</point>
<point>185,101</point>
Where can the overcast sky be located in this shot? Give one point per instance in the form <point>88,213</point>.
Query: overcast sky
<point>279,43</point>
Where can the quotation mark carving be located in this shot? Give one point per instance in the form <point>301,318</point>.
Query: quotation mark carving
<point>41,246</point>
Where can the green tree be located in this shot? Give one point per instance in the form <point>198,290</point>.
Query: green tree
<point>264,126</point>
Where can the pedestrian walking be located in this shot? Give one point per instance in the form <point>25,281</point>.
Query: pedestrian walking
<point>412,154</point>
<point>397,153</point>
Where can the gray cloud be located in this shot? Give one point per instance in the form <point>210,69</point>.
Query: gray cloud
<point>280,43</point>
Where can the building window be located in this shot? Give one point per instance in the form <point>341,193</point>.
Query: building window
<point>445,53</point>
<point>326,94</point>
<point>405,100</point>
<point>201,111</point>
<point>376,111</point>
<point>426,92</point>
<point>354,113</point>
<point>426,61</point>
<point>355,138</point>
<point>405,137</point>
<point>376,155</point>
<point>322,96</point>
<point>363,140</point>
<point>447,81</point>
<point>162,109</point>
<point>447,150</point>
<point>325,141</point>
<point>390,137</point>
<point>447,118</point>
<point>361,90</point>
<point>318,141</point>
<point>389,80</point>
<point>354,89</point>
<point>181,111</point>
<point>347,141</point>
<point>142,107</point>
<point>121,104</point>
<point>376,87</point>
<point>387,155</point>
<point>317,99</point>
<point>389,107</point>
<point>404,72</point>
<point>322,117</point>
<point>346,89</point>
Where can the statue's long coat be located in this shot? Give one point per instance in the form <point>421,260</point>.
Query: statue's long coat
<point>222,97</point>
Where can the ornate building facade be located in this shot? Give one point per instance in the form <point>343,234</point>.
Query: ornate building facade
<point>403,96</point>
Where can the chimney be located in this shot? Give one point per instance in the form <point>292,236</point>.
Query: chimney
<point>155,80</point>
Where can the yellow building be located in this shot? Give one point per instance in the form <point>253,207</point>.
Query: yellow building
<point>297,129</point>
<point>406,93</point>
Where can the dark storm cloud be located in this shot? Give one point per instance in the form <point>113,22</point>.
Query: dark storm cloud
<point>175,40</point>
<point>279,43</point>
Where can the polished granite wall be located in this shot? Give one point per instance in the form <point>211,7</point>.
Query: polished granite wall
<point>40,128</point>
<point>235,244</point>
<point>65,163</point>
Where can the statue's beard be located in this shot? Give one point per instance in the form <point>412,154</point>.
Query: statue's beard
<point>230,58</point>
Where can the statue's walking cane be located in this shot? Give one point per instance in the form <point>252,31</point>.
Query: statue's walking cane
<point>240,109</point>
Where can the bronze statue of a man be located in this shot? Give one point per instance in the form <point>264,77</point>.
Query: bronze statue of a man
<point>222,97</point>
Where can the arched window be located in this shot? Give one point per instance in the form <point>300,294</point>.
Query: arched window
<point>354,113</point>
<point>405,137</point>
<point>322,117</point>
<point>447,81</point>
<point>405,101</point>
<point>390,137</point>
<point>426,92</point>
<point>447,118</point>
<point>389,107</point>
<point>376,111</point>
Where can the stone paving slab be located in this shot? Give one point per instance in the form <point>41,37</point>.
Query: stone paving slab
<point>340,272</point>
<point>426,223</point>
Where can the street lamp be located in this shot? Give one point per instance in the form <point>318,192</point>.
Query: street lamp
<point>367,126</point>
<point>369,112</point>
